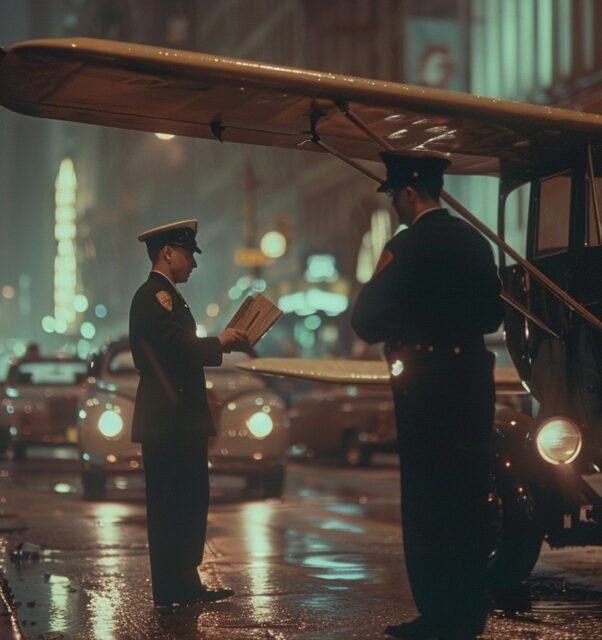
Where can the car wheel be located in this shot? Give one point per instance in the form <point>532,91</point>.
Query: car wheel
<point>19,451</point>
<point>268,486</point>
<point>516,537</point>
<point>355,453</point>
<point>4,439</point>
<point>273,484</point>
<point>94,485</point>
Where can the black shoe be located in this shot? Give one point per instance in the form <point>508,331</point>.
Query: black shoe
<point>422,628</point>
<point>202,594</point>
<point>213,595</point>
<point>418,629</point>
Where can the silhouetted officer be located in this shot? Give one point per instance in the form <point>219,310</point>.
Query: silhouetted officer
<point>434,294</point>
<point>171,417</point>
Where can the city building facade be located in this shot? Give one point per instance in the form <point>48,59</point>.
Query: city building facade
<point>542,51</point>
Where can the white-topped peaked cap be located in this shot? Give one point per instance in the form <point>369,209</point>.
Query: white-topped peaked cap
<point>181,234</point>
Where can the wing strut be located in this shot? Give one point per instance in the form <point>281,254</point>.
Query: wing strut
<point>360,124</point>
<point>569,301</point>
<point>506,297</point>
<point>315,138</point>
<point>592,184</point>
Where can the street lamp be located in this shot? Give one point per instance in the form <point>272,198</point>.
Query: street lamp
<point>273,244</point>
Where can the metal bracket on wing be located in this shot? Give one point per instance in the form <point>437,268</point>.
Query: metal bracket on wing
<point>315,115</point>
<point>570,302</point>
<point>217,129</point>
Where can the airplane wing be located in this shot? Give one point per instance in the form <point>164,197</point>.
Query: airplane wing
<point>148,88</point>
<point>370,372</point>
<point>324,370</point>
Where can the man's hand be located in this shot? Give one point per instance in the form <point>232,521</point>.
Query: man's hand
<point>234,340</point>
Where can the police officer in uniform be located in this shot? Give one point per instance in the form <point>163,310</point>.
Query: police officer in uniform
<point>171,416</point>
<point>434,294</point>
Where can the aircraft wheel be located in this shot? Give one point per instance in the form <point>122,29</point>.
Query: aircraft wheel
<point>516,537</point>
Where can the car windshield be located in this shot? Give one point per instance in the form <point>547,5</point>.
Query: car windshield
<point>66,372</point>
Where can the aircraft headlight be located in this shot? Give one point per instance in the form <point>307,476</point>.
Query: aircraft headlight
<point>110,424</point>
<point>558,440</point>
<point>260,424</point>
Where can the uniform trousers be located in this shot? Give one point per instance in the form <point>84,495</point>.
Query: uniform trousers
<point>444,411</point>
<point>177,502</point>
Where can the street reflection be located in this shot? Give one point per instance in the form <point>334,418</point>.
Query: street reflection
<point>337,567</point>
<point>105,601</point>
<point>108,517</point>
<point>106,597</point>
<point>59,601</point>
<point>256,517</point>
<point>339,525</point>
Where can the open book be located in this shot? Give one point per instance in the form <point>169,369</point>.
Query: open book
<point>255,316</point>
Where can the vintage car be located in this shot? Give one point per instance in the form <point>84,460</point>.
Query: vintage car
<point>351,422</point>
<point>40,403</point>
<point>355,421</point>
<point>251,421</point>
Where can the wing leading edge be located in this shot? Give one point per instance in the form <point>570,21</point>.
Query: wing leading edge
<point>369,372</point>
<point>194,94</point>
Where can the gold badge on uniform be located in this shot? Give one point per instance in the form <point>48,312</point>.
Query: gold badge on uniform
<point>164,300</point>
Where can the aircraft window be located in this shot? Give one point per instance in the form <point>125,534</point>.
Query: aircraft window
<point>516,210</point>
<point>554,213</point>
<point>594,232</point>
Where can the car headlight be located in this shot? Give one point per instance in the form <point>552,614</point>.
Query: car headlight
<point>260,424</point>
<point>558,440</point>
<point>110,424</point>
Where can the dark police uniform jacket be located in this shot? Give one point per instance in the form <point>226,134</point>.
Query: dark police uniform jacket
<point>431,305</point>
<point>441,288</point>
<point>171,401</point>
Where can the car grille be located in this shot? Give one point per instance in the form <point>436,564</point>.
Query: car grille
<point>62,413</point>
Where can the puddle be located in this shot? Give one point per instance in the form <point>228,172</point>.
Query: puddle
<point>550,595</point>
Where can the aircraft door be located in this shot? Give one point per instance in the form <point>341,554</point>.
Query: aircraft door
<point>545,231</point>
<point>563,239</point>
<point>513,217</point>
<point>584,343</point>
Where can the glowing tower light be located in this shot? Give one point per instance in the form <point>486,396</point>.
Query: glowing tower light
<point>65,261</point>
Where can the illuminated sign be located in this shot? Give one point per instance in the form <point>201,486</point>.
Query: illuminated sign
<point>321,268</point>
<point>251,258</point>
<point>65,262</point>
<point>306,303</point>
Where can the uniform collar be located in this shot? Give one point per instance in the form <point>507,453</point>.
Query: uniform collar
<point>424,213</point>
<point>157,275</point>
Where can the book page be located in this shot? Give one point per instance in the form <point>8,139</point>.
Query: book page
<point>255,316</point>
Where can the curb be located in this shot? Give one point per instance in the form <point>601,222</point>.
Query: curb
<point>10,627</point>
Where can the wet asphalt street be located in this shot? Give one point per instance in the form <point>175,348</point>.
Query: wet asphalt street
<point>324,562</point>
